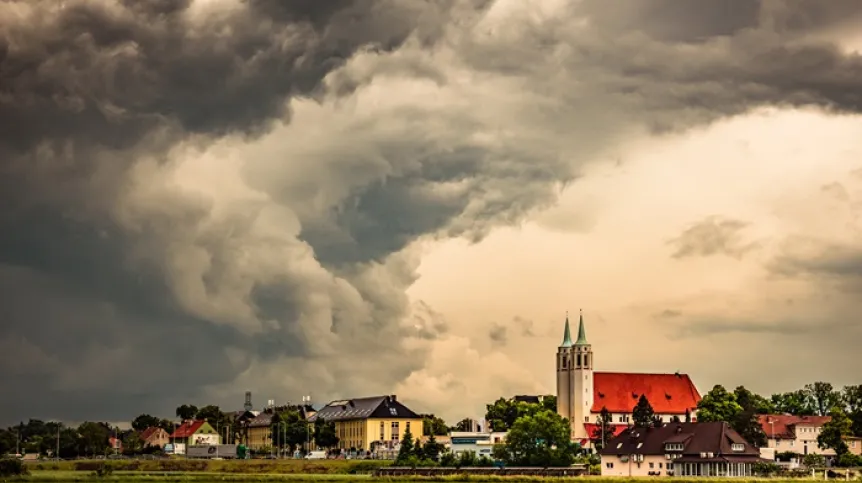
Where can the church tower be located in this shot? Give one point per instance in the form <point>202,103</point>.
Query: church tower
<point>581,398</point>
<point>564,374</point>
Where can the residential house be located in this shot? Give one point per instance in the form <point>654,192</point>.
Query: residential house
<point>370,423</point>
<point>680,449</point>
<point>582,393</point>
<point>155,436</point>
<point>116,444</point>
<point>259,431</point>
<point>477,442</point>
<point>795,434</point>
<point>854,444</point>
<point>193,433</point>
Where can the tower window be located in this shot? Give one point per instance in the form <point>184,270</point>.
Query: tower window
<point>579,360</point>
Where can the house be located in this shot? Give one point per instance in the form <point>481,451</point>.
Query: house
<point>193,432</point>
<point>370,423</point>
<point>259,431</point>
<point>116,444</point>
<point>854,444</point>
<point>679,449</point>
<point>155,436</point>
<point>480,443</point>
<point>794,434</point>
<point>582,393</point>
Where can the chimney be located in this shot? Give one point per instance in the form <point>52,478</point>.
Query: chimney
<point>393,398</point>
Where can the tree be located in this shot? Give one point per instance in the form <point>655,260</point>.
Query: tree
<point>167,425</point>
<point>8,440</point>
<point>823,397</point>
<point>215,417</point>
<point>754,402</point>
<point>834,431</point>
<point>541,439</point>
<point>187,411</point>
<point>296,429</point>
<point>406,449</point>
<point>718,405</point>
<point>502,413</point>
<point>144,421</point>
<point>93,438</point>
<point>675,419</point>
<point>747,424</point>
<point>463,425</point>
<point>688,415</point>
<point>432,425</point>
<point>132,443</point>
<point>549,402</point>
<point>417,449</point>
<point>852,396</point>
<point>432,448</point>
<point>643,414</point>
<point>796,403</point>
<point>604,429</point>
<point>324,434</point>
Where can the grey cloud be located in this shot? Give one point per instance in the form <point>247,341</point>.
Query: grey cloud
<point>498,334</point>
<point>525,324</point>
<point>149,295</point>
<point>836,263</point>
<point>668,314</point>
<point>712,236</point>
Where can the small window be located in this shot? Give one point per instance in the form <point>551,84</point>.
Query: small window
<point>639,445</point>
<point>586,419</point>
<point>609,465</point>
<point>651,465</point>
<point>738,447</point>
<point>619,445</point>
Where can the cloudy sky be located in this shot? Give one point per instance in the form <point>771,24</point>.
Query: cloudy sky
<point>348,198</point>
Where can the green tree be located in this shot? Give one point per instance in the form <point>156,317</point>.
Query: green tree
<point>215,417</point>
<point>541,439</point>
<point>754,402</point>
<point>144,421</point>
<point>324,434</point>
<point>852,397</point>
<point>834,431</point>
<point>187,411</point>
<point>432,448</point>
<point>405,452</point>
<point>296,430</point>
<point>432,425</point>
<point>503,413</point>
<point>549,402</point>
<point>132,443</point>
<point>167,425</point>
<point>747,424</point>
<point>797,403</point>
<point>8,439</point>
<point>718,405</point>
<point>823,397</point>
<point>604,429</point>
<point>462,425</point>
<point>93,438</point>
<point>417,449</point>
<point>687,415</point>
<point>643,414</point>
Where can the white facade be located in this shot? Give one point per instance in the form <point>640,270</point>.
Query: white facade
<point>575,380</point>
<point>480,443</point>
<point>636,465</point>
<point>804,435</point>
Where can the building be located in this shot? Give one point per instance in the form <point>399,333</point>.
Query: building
<point>480,443</point>
<point>370,423</point>
<point>679,449</point>
<point>794,434</point>
<point>155,436</point>
<point>582,393</point>
<point>193,432</point>
<point>259,431</point>
<point>854,444</point>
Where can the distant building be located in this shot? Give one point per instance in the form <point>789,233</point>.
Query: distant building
<point>680,449</point>
<point>155,436</point>
<point>193,432</point>
<point>370,423</point>
<point>481,444</point>
<point>259,431</point>
<point>796,434</point>
<point>529,399</point>
<point>582,392</point>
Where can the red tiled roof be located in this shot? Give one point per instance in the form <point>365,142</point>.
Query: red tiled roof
<point>667,393</point>
<point>145,435</point>
<point>187,429</point>
<point>617,429</point>
<point>781,426</point>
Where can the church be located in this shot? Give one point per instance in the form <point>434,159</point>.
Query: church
<point>582,392</point>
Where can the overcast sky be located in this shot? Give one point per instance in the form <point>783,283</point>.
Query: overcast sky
<point>349,198</point>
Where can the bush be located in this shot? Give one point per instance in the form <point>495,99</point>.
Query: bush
<point>103,470</point>
<point>12,467</point>
<point>765,469</point>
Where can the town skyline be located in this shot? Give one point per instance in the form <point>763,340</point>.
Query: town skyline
<point>204,197</point>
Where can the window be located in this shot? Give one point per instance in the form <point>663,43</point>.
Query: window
<point>407,426</point>
<point>738,447</point>
<point>619,445</point>
<point>651,465</point>
<point>382,435</point>
<point>609,465</point>
<point>659,465</point>
<point>586,419</point>
<point>640,445</point>
<point>395,432</point>
<point>673,447</point>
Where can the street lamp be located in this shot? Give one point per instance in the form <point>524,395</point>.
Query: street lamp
<point>57,455</point>
<point>306,401</point>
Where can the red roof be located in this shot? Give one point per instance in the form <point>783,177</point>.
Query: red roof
<point>781,426</point>
<point>667,393</point>
<point>187,429</point>
<point>591,430</point>
<point>149,432</point>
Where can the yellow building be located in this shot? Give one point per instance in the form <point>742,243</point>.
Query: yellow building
<point>370,423</point>
<point>260,431</point>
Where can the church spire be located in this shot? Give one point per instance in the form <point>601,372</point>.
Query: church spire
<point>567,334</point>
<point>582,334</point>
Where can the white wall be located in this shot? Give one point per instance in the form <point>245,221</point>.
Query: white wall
<point>484,445</point>
<point>616,466</point>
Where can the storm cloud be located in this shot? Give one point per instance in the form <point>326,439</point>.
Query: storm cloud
<point>203,197</point>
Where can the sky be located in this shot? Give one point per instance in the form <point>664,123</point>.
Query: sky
<point>360,197</point>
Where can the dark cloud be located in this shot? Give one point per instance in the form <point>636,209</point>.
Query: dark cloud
<point>712,236</point>
<point>125,291</point>
<point>498,334</point>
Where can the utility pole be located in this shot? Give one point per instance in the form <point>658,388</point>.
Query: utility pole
<point>57,454</point>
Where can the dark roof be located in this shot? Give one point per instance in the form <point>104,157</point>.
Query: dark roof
<point>528,399</point>
<point>385,407</point>
<point>149,432</point>
<point>697,438</point>
<point>667,393</point>
<point>261,420</point>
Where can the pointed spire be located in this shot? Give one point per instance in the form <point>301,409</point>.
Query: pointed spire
<point>567,334</point>
<point>582,334</point>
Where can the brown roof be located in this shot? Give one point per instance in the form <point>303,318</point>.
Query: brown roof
<point>697,438</point>
<point>149,432</point>
<point>782,426</point>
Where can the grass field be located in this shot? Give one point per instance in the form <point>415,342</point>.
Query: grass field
<point>286,466</point>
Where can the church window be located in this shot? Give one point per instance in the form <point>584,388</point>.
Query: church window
<point>586,419</point>
<point>565,360</point>
<point>579,360</point>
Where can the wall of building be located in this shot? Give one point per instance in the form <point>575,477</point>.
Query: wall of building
<point>617,466</point>
<point>259,437</point>
<point>480,443</point>
<point>359,434</point>
<point>805,442</point>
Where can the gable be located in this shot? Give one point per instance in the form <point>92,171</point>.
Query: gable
<point>667,393</point>
<point>380,407</point>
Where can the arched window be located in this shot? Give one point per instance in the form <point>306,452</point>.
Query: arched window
<point>579,360</point>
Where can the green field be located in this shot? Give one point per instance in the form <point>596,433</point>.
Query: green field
<point>277,467</point>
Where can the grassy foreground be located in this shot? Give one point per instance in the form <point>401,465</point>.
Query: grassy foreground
<point>245,467</point>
